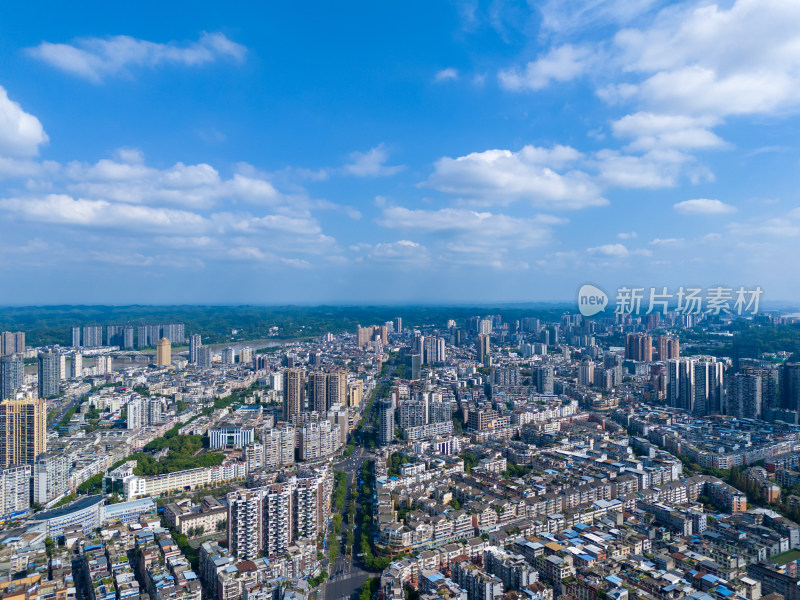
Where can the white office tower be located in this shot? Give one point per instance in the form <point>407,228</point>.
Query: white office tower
<point>386,426</point>
<point>15,494</point>
<point>62,367</point>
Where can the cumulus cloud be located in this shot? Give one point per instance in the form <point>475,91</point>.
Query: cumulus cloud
<point>610,250</point>
<point>371,163</point>
<point>560,64</point>
<point>704,206</point>
<point>21,133</point>
<point>66,210</point>
<point>97,58</point>
<point>653,131</point>
<point>448,74</point>
<point>502,176</point>
<point>708,59</point>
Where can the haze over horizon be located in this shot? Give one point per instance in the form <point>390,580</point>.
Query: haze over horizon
<point>487,153</point>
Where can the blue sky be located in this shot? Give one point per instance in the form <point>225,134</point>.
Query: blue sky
<point>393,152</point>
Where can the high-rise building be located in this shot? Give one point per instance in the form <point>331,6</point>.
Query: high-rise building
<point>11,375</point>
<point>49,374</point>
<point>23,431</point>
<point>744,395</point>
<point>76,336</point>
<point>204,357</point>
<point>265,521</point>
<point>119,335</point>
<point>483,349</point>
<point>293,392</point>
<point>143,412</point>
<point>586,373</point>
<point>790,386</point>
<point>386,421</point>
<point>709,386</point>
<point>398,325</point>
<point>680,383</point>
<point>174,332</point>
<point>50,477</point>
<point>92,336</point>
<point>668,347</point>
<point>355,393</point>
<point>318,392</point>
<point>15,489</point>
<point>12,342</point>
<point>228,356</point>
<point>164,353</point>
<point>639,347</point>
<point>195,342</point>
<point>77,365</point>
<point>545,376</point>
<point>337,388</point>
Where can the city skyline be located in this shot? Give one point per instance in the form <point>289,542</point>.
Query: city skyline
<point>485,153</point>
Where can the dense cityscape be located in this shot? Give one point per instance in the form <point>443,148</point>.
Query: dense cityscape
<point>451,300</point>
<point>477,459</point>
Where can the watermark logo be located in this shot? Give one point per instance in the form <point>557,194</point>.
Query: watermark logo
<point>591,300</point>
<point>636,301</point>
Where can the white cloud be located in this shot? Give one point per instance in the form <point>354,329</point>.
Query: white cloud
<point>627,235</point>
<point>21,133</point>
<point>610,250</point>
<point>401,251</point>
<point>704,206</point>
<point>371,163</point>
<point>474,226</point>
<point>564,16</point>
<point>708,59</point>
<point>654,169</point>
<point>651,131</point>
<point>559,64</point>
<point>502,176</point>
<point>448,74</point>
<point>96,58</point>
<point>66,210</point>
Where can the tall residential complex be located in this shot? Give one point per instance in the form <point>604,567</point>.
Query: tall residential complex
<point>11,375</point>
<point>12,342</point>
<point>294,384</point>
<point>164,353</point>
<point>318,392</point>
<point>483,349</point>
<point>639,347</point>
<point>76,336</point>
<point>92,336</point>
<point>49,374</point>
<point>149,334</point>
<point>668,347</point>
<point>195,343</point>
<point>386,421</point>
<point>265,521</point>
<point>23,431</point>
<point>696,385</point>
<point>120,335</point>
